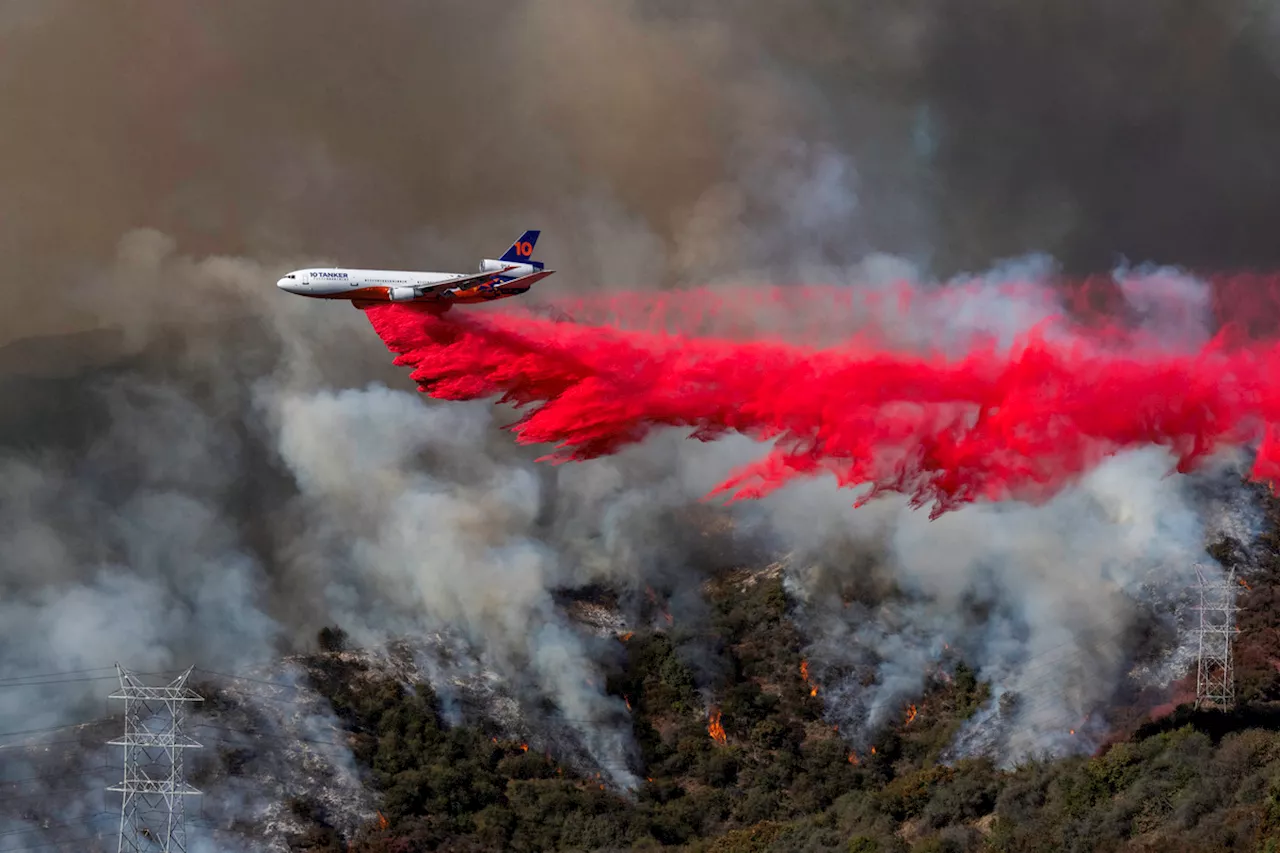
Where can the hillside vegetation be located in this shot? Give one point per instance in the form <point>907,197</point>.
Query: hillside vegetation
<point>760,771</point>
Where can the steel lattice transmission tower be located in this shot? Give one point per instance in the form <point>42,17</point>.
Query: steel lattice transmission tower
<point>152,813</point>
<point>1215,678</point>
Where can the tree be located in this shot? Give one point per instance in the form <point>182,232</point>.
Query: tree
<point>332,639</point>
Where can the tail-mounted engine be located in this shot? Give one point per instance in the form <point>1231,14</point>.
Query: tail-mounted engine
<point>507,268</point>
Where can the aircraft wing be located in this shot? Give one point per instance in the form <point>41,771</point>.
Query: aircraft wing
<point>444,290</point>
<point>460,281</point>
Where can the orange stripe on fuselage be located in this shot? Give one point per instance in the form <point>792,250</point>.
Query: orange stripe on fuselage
<point>365,294</point>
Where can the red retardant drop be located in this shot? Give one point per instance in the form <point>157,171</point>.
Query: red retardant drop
<point>992,423</point>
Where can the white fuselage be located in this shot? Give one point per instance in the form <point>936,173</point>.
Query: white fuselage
<point>496,280</point>
<point>357,284</point>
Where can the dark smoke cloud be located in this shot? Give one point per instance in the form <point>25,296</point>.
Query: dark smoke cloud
<point>185,480</point>
<point>1087,130</point>
<point>396,133</point>
<point>1140,129</point>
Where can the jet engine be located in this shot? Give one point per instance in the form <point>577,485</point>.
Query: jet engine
<point>400,294</point>
<point>490,265</point>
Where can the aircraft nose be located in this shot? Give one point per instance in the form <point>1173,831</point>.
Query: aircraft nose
<point>288,285</point>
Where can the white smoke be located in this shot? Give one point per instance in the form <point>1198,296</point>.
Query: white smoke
<point>454,549</point>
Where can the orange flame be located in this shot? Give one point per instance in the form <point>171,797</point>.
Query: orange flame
<point>911,714</point>
<point>627,636</point>
<point>628,701</point>
<point>715,729</point>
<point>1243,584</point>
<point>525,747</point>
<point>804,673</point>
<point>383,823</point>
<point>666,615</point>
<point>1073,731</point>
<point>873,750</point>
<point>853,759</point>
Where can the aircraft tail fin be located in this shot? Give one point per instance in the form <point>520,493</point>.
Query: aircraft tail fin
<point>521,251</point>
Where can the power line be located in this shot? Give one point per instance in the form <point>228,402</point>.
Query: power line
<point>42,744</point>
<point>36,794</point>
<point>68,680</point>
<point>53,674</point>
<point>57,728</point>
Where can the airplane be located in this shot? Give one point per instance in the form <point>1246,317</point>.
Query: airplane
<point>510,275</point>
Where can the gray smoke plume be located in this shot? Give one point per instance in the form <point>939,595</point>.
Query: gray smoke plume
<point>455,548</point>
<point>180,442</point>
<point>1043,601</point>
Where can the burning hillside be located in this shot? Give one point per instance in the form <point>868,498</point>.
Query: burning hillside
<point>863,253</point>
<point>690,754</point>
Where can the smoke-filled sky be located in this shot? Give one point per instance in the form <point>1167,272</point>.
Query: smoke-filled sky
<point>649,136</point>
<point>223,468</point>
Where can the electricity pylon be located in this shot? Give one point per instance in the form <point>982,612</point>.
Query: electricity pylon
<point>152,812</point>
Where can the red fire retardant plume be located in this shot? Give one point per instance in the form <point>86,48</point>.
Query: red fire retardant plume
<point>990,424</point>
